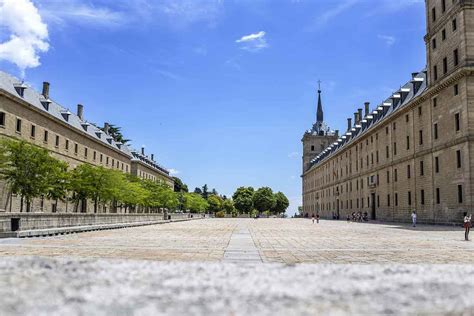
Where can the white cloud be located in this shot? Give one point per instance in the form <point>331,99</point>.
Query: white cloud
<point>173,172</point>
<point>333,12</point>
<point>294,154</point>
<point>253,42</point>
<point>389,40</point>
<point>28,34</point>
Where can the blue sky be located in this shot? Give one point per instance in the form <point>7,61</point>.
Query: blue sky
<point>220,91</point>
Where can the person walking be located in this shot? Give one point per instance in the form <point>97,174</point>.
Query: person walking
<point>413,218</point>
<point>312,218</point>
<point>467,226</point>
<point>317,218</point>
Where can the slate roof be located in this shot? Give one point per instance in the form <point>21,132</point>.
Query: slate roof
<point>10,84</point>
<point>398,100</point>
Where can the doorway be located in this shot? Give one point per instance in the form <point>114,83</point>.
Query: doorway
<point>373,211</point>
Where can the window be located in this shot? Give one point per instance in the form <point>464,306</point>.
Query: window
<point>422,197</point>
<point>408,142</point>
<point>422,169</point>
<point>437,164</point>
<point>434,43</point>
<point>45,136</point>
<point>33,131</point>
<point>394,149</point>
<point>419,111</point>
<point>459,193</point>
<point>76,148</point>
<point>101,158</point>
<point>458,158</point>
<point>18,125</point>
<point>408,171</point>
<point>107,160</point>
<point>456,89</point>
<point>388,176</point>
<point>435,102</point>
<point>435,130</point>
<point>388,199</point>
<point>455,25</point>
<point>94,155</point>
<point>409,197</point>
<point>456,57</point>
<point>445,65</point>
<point>443,34</point>
<point>396,199</point>
<point>438,196</point>
<point>66,145</point>
<point>386,130</point>
<point>387,151</point>
<point>85,152</point>
<point>394,125</point>
<point>56,143</point>
<point>395,175</point>
<point>421,137</point>
<point>443,5</point>
<point>433,14</point>
<point>312,148</point>
<point>456,122</point>
<point>435,72</point>
<point>2,119</point>
<point>407,118</point>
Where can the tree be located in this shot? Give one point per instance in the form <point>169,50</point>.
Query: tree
<point>214,192</point>
<point>243,199</point>
<point>281,203</point>
<point>28,170</point>
<point>198,191</point>
<point>228,206</point>
<point>195,202</point>
<point>215,203</point>
<point>205,192</point>
<point>263,199</point>
<point>179,186</point>
<point>116,133</point>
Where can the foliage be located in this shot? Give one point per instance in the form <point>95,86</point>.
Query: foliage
<point>179,186</point>
<point>263,199</point>
<point>195,203</point>
<point>215,203</point>
<point>205,192</point>
<point>198,191</point>
<point>30,171</point>
<point>228,206</point>
<point>281,204</point>
<point>220,214</point>
<point>243,199</point>
<point>116,133</point>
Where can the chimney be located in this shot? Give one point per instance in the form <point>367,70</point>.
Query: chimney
<point>337,133</point>
<point>106,128</point>
<point>360,115</point>
<point>367,108</point>
<point>349,123</point>
<point>46,90</point>
<point>356,118</point>
<point>152,156</point>
<point>143,151</point>
<point>80,111</point>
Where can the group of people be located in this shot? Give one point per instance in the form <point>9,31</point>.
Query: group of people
<point>358,217</point>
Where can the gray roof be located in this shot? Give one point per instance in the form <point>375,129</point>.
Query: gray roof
<point>412,89</point>
<point>137,156</point>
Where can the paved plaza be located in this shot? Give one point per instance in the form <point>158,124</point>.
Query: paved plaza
<point>260,240</point>
<point>241,267</point>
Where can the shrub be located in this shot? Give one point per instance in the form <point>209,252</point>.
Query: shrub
<point>220,214</point>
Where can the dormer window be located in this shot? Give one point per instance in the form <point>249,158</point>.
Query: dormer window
<point>66,115</point>
<point>45,104</point>
<point>403,94</point>
<point>20,89</point>
<point>99,134</point>
<point>85,126</point>
<point>109,139</point>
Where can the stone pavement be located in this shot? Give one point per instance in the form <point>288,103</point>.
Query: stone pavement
<point>267,240</point>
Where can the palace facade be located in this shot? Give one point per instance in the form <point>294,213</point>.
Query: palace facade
<point>32,116</point>
<point>415,150</point>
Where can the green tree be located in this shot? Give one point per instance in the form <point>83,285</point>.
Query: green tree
<point>263,199</point>
<point>195,203</point>
<point>116,133</point>
<point>243,199</point>
<point>28,170</point>
<point>179,186</point>
<point>228,206</point>
<point>205,192</point>
<point>60,182</point>
<point>281,203</point>
<point>198,191</point>
<point>215,203</point>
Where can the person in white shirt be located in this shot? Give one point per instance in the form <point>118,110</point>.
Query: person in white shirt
<point>413,218</point>
<point>467,226</point>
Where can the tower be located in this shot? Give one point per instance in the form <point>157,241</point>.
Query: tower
<point>316,139</point>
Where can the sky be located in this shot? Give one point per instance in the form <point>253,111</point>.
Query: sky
<point>220,91</point>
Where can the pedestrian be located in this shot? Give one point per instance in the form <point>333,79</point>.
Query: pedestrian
<point>348,218</point>
<point>467,226</point>
<point>413,218</point>
<point>312,218</point>
<point>317,218</point>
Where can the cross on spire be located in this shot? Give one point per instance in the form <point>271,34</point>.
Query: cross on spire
<point>319,114</point>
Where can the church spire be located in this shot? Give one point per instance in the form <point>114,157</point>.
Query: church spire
<point>319,114</point>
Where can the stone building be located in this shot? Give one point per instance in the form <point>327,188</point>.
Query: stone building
<point>414,151</point>
<point>32,116</point>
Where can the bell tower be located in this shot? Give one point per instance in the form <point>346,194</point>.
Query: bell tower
<point>316,139</point>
